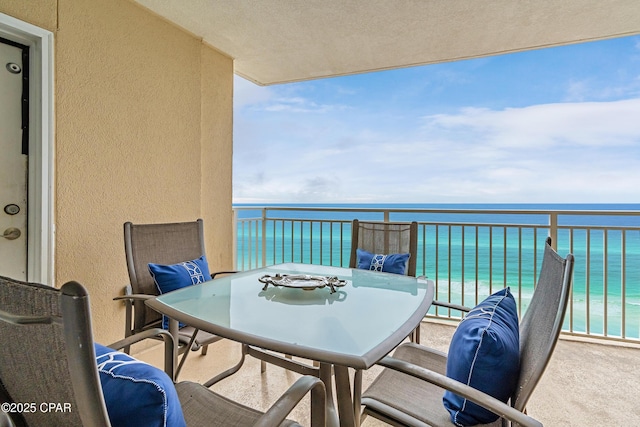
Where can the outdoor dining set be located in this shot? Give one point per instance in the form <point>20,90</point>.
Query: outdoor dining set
<point>326,323</point>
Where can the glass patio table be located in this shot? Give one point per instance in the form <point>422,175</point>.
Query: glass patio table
<point>352,325</point>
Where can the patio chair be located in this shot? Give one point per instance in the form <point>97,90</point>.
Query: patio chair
<point>166,244</point>
<point>387,238</point>
<point>384,238</point>
<point>410,390</point>
<point>49,370</point>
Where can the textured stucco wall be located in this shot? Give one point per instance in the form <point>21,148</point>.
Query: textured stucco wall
<point>41,13</point>
<point>216,147</point>
<point>143,134</point>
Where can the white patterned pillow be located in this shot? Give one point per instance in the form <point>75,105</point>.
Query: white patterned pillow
<point>135,392</point>
<point>388,263</point>
<point>172,277</point>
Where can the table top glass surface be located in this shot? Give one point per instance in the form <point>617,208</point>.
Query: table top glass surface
<point>353,321</point>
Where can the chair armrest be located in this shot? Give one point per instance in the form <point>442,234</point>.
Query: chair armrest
<point>486,401</point>
<point>451,306</point>
<point>129,296</point>
<point>169,346</point>
<point>447,304</point>
<point>213,275</point>
<point>285,404</point>
<point>132,297</point>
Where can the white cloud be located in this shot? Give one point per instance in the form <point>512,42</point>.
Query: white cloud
<point>248,96</point>
<point>298,105</point>
<point>579,124</point>
<point>246,93</point>
<point>594,89</point>
<point>570,152</point>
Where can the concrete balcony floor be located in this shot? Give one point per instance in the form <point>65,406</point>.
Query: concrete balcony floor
<point>586,383</point>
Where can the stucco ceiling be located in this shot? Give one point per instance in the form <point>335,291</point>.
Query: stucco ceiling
<point>277,41</point>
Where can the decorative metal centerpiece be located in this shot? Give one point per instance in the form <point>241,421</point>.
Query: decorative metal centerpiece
<point>302,281</point>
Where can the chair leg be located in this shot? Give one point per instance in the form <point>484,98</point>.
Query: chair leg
<point>187,350</point>
<point>229,371</point>
<point>128,322</point>
<point>414,336</point>
<point>204,349</point>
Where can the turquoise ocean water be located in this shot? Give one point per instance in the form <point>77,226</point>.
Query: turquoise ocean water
<point>606,248</point>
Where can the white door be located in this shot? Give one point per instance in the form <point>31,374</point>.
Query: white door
<point>13,166</point>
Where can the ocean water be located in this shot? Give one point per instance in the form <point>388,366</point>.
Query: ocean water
<point>479,253</point>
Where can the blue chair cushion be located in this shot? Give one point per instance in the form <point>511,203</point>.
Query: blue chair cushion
<point>172,277</point>
<point>392,263</point>
<point>484,354</point>
<point>135,392</point>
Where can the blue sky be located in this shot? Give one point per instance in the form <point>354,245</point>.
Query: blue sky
<point>558,125</point>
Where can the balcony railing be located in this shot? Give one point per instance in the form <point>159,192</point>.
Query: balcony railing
<point>471,253</point>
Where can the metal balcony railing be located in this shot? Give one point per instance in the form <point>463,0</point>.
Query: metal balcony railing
<point>471,253</point>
